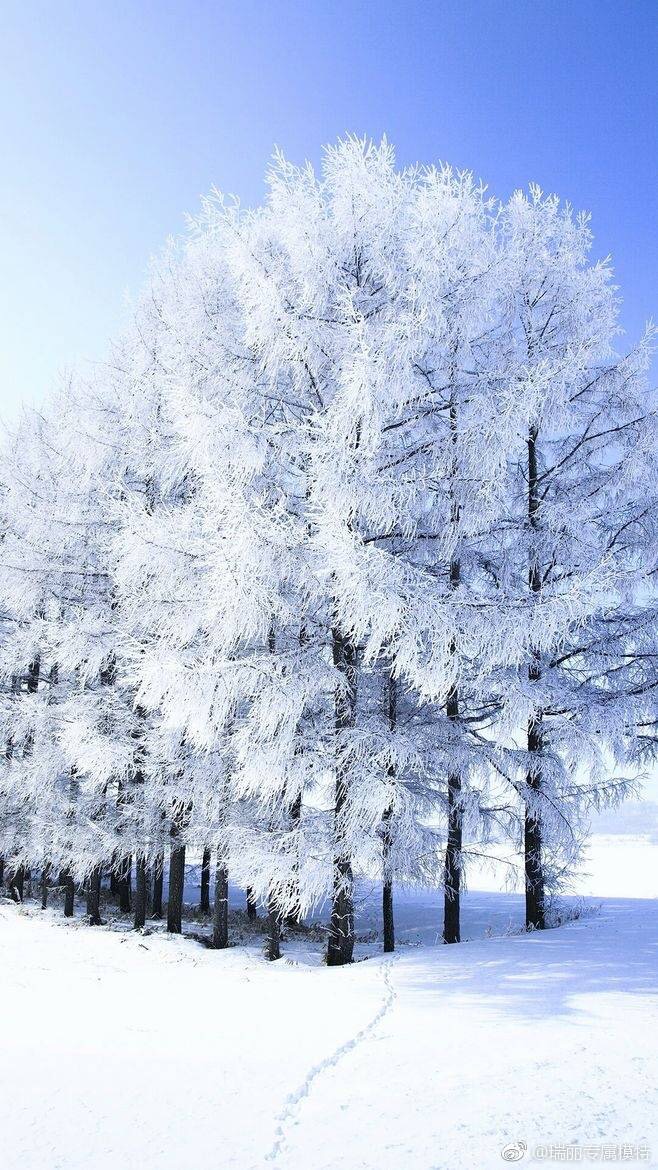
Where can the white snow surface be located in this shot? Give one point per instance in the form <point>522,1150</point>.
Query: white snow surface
<point>148,1052</point>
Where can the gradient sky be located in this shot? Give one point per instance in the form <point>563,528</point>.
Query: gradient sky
<point>117,116</point>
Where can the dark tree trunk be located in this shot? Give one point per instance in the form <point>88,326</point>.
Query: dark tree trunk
<point>45,875</point>
<point>341,926</point>
<point>340,949</point>
<point>220,915</point>
<point>391,712</point>
<point>114,883</point>
<point>387,888</point>
<point>273,950</point>
<point>141,873</point>
<point>141,891</point>
<point>204,901</point>
<point>534,874</point>
<point>17,884</point>
<point>69,895</point>
<point>158,877</point>
<point>94,897</point>
<point>387,911</point>
<point>176,885</point>
<point>294,918</point>
<point>2,870</point>
<point>453,857</point>
<point>124,884</point>
<point>535,913</point>
<point>452,873</point>
<point>252,908</point>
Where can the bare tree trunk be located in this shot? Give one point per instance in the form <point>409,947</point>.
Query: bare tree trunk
<point>141,891</point>
<point>252,908</point>
<point>453,857</point>
<point>294,918</point>
<point>16,884</point>
<point>452,872</point>
<point>535,910</point>
<point>204,902</point>
<point>69,895</point>
<point>534,873</point>
<point>340,949</point>
<point>124,884</point>
<point>94,897</point>
<point>176,884</point>
<point>273,951</point>
<point>45,875</point>
<point>220,915</point>
<point>2,869</point>
<point>387,889</point>
<point>158,879</point>
<point>391,703</point>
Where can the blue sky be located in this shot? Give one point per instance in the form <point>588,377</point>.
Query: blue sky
<point>117,116</point>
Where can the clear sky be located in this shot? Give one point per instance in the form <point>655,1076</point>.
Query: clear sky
<point>116,116</point>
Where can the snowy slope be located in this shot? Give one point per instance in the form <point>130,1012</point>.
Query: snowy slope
<point>124,1050</point>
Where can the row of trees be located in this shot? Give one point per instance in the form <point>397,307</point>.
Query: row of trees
<point>342,563</point>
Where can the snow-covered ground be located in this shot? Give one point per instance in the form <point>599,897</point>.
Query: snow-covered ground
<point>154,1053</point>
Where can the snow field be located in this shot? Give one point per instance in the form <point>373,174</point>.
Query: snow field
<point>123,1049</point>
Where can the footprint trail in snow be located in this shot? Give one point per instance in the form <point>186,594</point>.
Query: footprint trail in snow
<point>296,1099</point>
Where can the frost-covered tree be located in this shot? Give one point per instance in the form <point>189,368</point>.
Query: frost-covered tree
<point>341,563</point>
<point>372,303</point>
<point>577,525</point>
<point>75,761</point>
